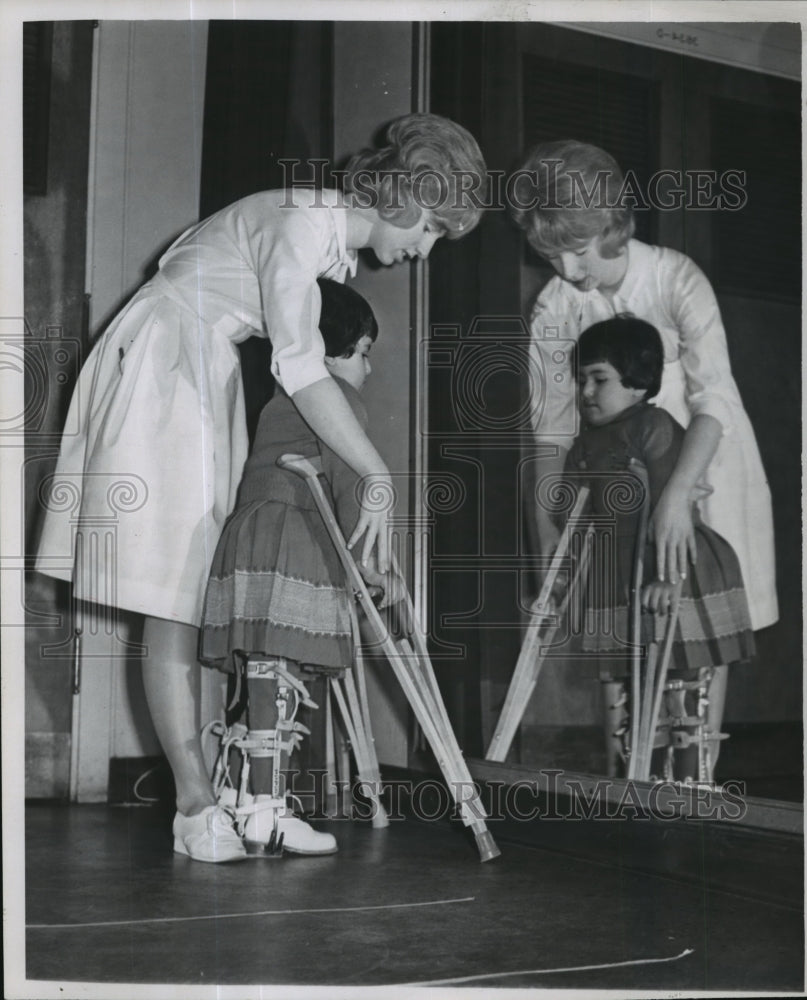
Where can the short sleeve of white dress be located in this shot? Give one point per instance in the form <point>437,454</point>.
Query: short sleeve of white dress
<point>302,244</point>
<point>554,328</point>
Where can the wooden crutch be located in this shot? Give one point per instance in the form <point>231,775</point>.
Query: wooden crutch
<point>538,638</point>
<point>351,698</point>
<point>416,683</point>
<point>415,655</point>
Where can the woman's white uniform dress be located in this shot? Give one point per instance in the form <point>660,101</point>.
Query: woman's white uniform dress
<point>159,403</point>
<point>665,288</point>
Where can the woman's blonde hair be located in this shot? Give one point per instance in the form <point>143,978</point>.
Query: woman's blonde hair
<point>567,192</point>
<point>428,162</point>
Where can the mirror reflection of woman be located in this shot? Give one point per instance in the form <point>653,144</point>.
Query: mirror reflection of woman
<point>602,271</point>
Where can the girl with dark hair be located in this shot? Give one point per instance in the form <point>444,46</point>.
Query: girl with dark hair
<point>619,366</point>
<point>276,590</point>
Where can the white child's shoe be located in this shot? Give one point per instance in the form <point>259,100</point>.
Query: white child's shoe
<point>208,836</point>
<point>268,826</point>
<point>272,817</point>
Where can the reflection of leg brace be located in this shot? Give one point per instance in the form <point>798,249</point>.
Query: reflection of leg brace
<point>688,729</point>
<point>265,821</point>
<point>616,719</point>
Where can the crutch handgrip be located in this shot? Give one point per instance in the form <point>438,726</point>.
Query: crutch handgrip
<point>299,464</point>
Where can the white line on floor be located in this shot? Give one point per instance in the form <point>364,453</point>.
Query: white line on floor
<point>547,972</point>
<point>252,913</point>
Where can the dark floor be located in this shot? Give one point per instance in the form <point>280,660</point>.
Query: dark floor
<point>767,758</point>
<point>107,901</point>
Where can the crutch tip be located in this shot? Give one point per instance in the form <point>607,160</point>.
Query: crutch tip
<point>486,846</point>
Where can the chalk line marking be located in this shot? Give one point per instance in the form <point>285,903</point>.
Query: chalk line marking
<point>251,913</point>
<point>549,972</point>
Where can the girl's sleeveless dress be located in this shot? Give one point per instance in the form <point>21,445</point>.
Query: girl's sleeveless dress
<point>142,490</point>
<point>714,624</point>
<point>276,585</point>
<point>667,289</point>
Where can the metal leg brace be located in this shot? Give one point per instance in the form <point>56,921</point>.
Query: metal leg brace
<point>251,744</point>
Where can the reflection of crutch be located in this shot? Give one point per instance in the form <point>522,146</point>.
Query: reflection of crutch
<point>544,622</point>
<point>412,668</point>
<point>653,686</point>
<point>647,690</point>
<point>636,615</point>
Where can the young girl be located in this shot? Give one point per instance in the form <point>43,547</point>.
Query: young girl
<point>619,367</point>
<point>160,398</point>
<point>276,589</point>
<point>572,217</point>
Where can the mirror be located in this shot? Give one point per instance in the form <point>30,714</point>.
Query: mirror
<point>654,110</point>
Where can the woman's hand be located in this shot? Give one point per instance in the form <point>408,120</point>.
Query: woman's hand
<point>671,530</point>
<point>327,412</point>
<point>377,502</point>
<point>671,522</point>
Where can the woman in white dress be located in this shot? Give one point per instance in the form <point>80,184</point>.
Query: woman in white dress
<point>159,404</point>
<point>572,217</point>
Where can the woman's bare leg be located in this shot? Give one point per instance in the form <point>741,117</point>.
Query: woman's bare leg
<point>173,683</point>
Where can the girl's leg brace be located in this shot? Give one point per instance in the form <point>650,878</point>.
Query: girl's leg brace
<point>263,818</point>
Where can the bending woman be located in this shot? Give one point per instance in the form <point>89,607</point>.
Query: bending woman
<point>160,398</point>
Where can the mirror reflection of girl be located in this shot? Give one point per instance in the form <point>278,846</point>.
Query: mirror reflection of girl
<point>160,397</point>
<point>601,272</point>
<point>619,367</point>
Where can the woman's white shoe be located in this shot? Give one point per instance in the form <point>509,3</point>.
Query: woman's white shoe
<point>208,836</point>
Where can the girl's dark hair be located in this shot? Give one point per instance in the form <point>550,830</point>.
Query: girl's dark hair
<point>346,317</point>
<point>631,345</point>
